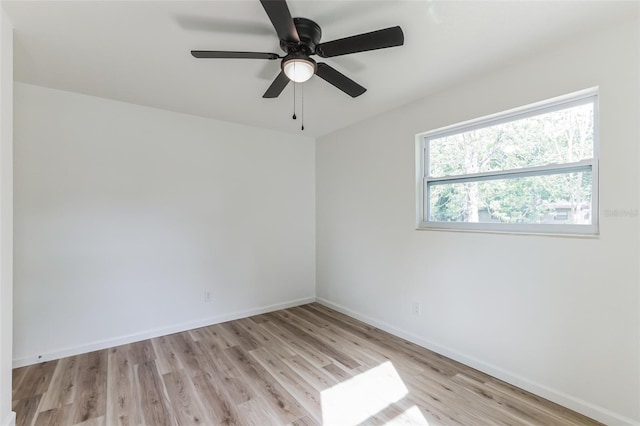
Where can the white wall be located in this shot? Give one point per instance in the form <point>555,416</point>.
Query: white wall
<point>125,215</point>
<point>558,316</point>
<point>7,417</point>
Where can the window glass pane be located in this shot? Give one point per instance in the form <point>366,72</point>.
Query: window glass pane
<point>563,136</point>
<point>548,199</point>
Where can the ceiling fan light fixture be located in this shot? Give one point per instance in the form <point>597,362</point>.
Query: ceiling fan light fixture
<point>299,70</point>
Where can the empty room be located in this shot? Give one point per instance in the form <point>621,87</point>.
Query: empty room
<point>301,212</point>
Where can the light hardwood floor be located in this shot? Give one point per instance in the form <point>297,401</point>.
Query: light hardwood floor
<point>307,365</point>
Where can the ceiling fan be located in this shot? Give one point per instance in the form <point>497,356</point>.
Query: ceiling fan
<point>300,38</point>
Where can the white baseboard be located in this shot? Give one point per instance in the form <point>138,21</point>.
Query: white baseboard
<point>10,420</point>
<point>131,338</point>
<point>588,409</point>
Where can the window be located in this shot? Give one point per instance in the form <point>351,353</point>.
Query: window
<point>533,169</point>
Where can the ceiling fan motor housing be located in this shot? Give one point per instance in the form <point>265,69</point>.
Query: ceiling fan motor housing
<point>309,33</point>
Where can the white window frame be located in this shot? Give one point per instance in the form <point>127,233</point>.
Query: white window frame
<point>423,180</point>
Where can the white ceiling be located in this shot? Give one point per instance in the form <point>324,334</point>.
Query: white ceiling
<point>138,51</point>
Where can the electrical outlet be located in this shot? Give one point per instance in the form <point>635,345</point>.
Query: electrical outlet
<point>416,309</point>
<point>207,296</point>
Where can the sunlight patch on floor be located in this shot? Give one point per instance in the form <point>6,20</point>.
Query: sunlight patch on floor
<point>363,396</point>
<point>411,416</point>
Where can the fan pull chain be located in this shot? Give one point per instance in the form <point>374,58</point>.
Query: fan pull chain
<point>294,101</point>
<point>302,107</point>
<point>294,93</point>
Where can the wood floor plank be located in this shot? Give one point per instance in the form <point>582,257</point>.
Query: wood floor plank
<point>557,413</point>
<point>316,377</point>
<point>284,406</point>
<point>359,350</point>
<point>142,352</point>
<point>284,320</point>
<point>305,421</point>
<point>337,372</point>
<point>307,365</point>
<point>249,326</point>
<point>257,412</point>
<point>90,397</point>
<point>350,339</point>
<point>96,421</point>
<point>221,336</point>
<point>122,404</point>
<point>17,376</point>
<point>154,403</point>
<point>389,345</point>
<point>186,352</point>
<point>36,380</point>
<point>26,409</point>
<point>280,340</point>
<point>300,389</point>
<point>525,413</point>
<point>166,355</point>
<point>240,335</point>
<point>61,416</point>
<point>219,369</point>
<point>198,334</point>
<point>221,409</point>
<point>61,391</point>
<point>299,346</point>
<point>184,401</point>
<point>462,406</point>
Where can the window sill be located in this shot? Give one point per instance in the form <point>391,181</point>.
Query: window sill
<point>590,232</point>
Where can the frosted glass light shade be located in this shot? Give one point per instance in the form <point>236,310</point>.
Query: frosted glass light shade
<point>298,70</point>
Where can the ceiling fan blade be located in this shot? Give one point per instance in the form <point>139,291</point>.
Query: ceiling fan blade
<point>380,39</point>
<point>236,55</point>
<point>277,86</point>
<point>280,16</point>
<point>341,81</point>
